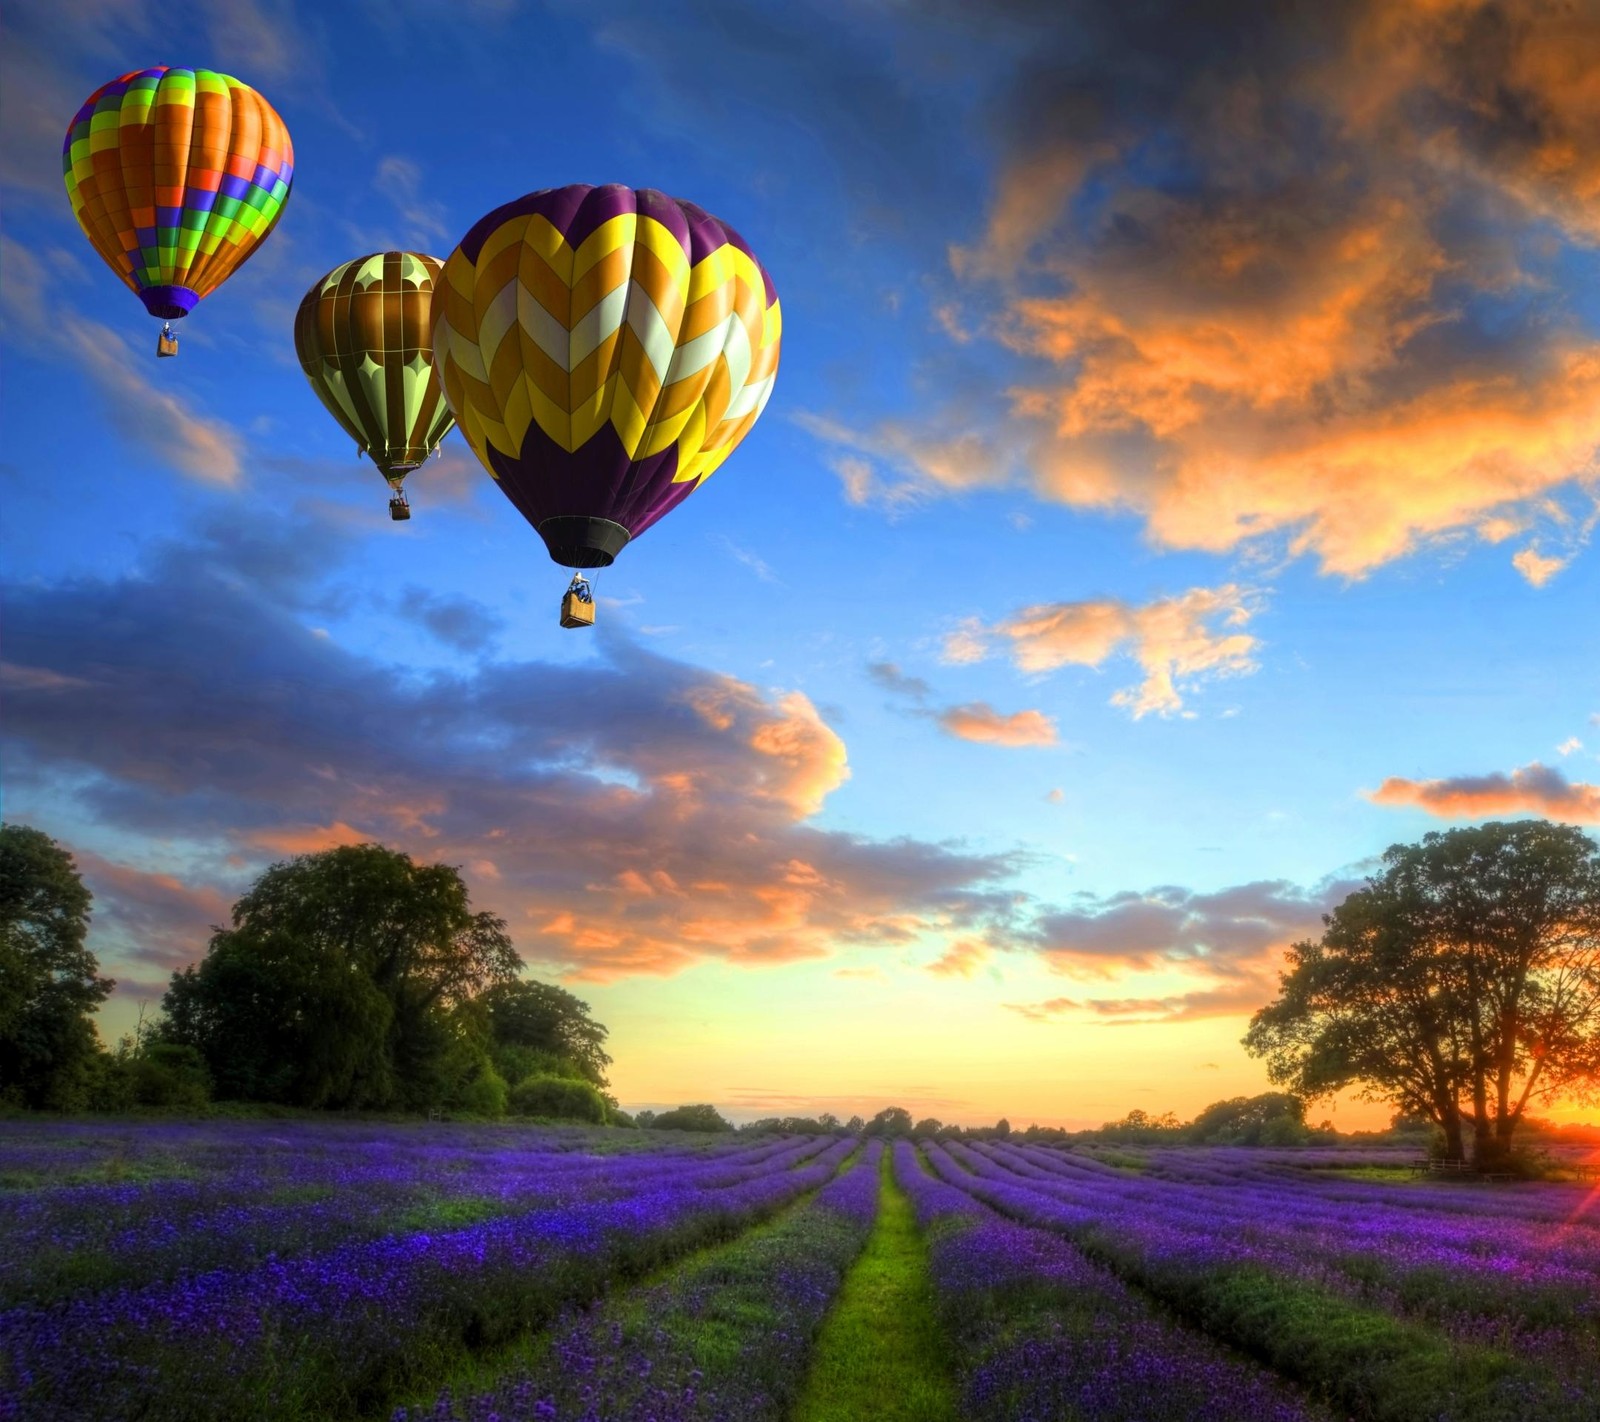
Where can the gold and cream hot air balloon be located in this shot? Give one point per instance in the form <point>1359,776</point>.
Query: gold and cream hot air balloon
<point>363,337</point>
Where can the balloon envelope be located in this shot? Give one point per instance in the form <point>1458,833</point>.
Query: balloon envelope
<point>176,175</point>
<point>604,350</point>
<point>363,337</point>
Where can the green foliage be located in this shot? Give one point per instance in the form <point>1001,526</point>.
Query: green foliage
<point>1460,984</point>
<point>559,1098</point>
<point>689,1118</point>
<point>881,1353</point>
<point>784,1126</point>
<point>927,1127</point>
<point>1275,1118</point>
<point>538,1027</point>
<point>1141,1128</point>
<point>891,1121</point>
<point>343,983</point>
<point>49,981</point>
<point>484,1093</point>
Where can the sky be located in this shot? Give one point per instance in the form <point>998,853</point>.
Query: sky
<point>1179,486</point>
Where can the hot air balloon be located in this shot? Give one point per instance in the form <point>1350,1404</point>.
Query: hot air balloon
<point>362,334</point>
<point>603,350</point>
<point>176,176</point>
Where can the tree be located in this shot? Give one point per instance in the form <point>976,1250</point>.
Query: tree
<point>50,984</point>
<point>891,1121</point>
<point>927,1128</point>
<point>541,1028</point>
<point>1274,1118</point>
<point>1462,983</point>
<point>344,982</point>
<point>689,1118</point>
<point>855,1126</point>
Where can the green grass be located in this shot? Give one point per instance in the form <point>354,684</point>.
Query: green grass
<point>881,1354</point>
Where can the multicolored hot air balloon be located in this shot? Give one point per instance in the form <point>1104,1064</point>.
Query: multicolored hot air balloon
<point>363,336</point>
<point>603,350</point>
<point>176,176</point>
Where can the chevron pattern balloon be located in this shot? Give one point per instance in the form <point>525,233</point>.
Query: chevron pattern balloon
<point>176,176</point>
<point>363,335</point>
<point>603,350</point>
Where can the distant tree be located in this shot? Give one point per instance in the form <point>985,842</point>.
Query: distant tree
<point>1275,1118</point>
<point>343,983</point>
<point>827,1121</point>
<point>855,1126</point>
<point>1140,1128</point>
<point>645,1119</point>
<point>1461,983</point>
<point>927,1127</point>
<point>1002,1128</point>
<point>690,1118</point>
<point>538,1027</point>
<point>50,984</point>
<point>891,1121</point>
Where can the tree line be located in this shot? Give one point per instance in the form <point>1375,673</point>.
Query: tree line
<point>1460,984</point>
<point>351,979</point>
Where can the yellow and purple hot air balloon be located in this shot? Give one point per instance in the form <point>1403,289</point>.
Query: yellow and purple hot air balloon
<point>603,350</point>
<point>176,176</point>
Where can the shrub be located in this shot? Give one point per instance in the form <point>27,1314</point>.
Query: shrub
<point>558,1097</point>
<point>691,1118</point>
<point>484,1095</point>
<point>169,1077</point>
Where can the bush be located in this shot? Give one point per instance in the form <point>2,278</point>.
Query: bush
<point>484,1095</point>
<point>690,1118</point>
<point>558,1097</point>
<point>170,1077</point>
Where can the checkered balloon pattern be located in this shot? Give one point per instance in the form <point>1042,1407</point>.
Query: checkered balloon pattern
<point>604,350</point>
<point>176,176</point>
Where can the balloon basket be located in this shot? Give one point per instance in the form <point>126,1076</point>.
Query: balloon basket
<point>166,345</point>
<point>575,612</point>
<point>399,509</point>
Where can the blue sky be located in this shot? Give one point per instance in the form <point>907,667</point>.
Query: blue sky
<point>1179,486</point>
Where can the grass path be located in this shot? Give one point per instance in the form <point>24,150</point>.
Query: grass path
<point>881,1354</point>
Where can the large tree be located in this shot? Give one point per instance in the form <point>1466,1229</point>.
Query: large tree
<point>340,983</point>
<point>1462,983</point>
<point>50,983</point>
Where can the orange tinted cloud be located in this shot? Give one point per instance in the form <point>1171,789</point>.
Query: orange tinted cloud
<point>1176,641</point>
<point>961,960</point>
<point>978,721</point>
<point>1534,789</point>
<point>1341,329</point>
<point>630,814</point>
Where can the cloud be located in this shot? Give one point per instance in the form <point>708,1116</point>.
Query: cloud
<point>1228,934</point>
<point>1536,567</point>
<point>628,814</point>
<point>978,721</point>
<point>461,623</point>
<point>892,679</point>
<point>205,449</point>
<point>425,223</point>
<point>150,918</point>
<point>1279,274</point>
<point>1231,1001</point>
<point>1176,641</point>
<point>1572,743</point>
<point>1533,789</point>
<point>961,960</point>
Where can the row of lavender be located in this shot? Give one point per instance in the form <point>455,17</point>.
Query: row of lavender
<point>1405,1303</point>
<point>1041,1332</point>
<point>333,1323</point>
<point>725,1337</point>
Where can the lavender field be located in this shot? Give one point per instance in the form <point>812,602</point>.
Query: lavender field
<point>296,1269</point>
